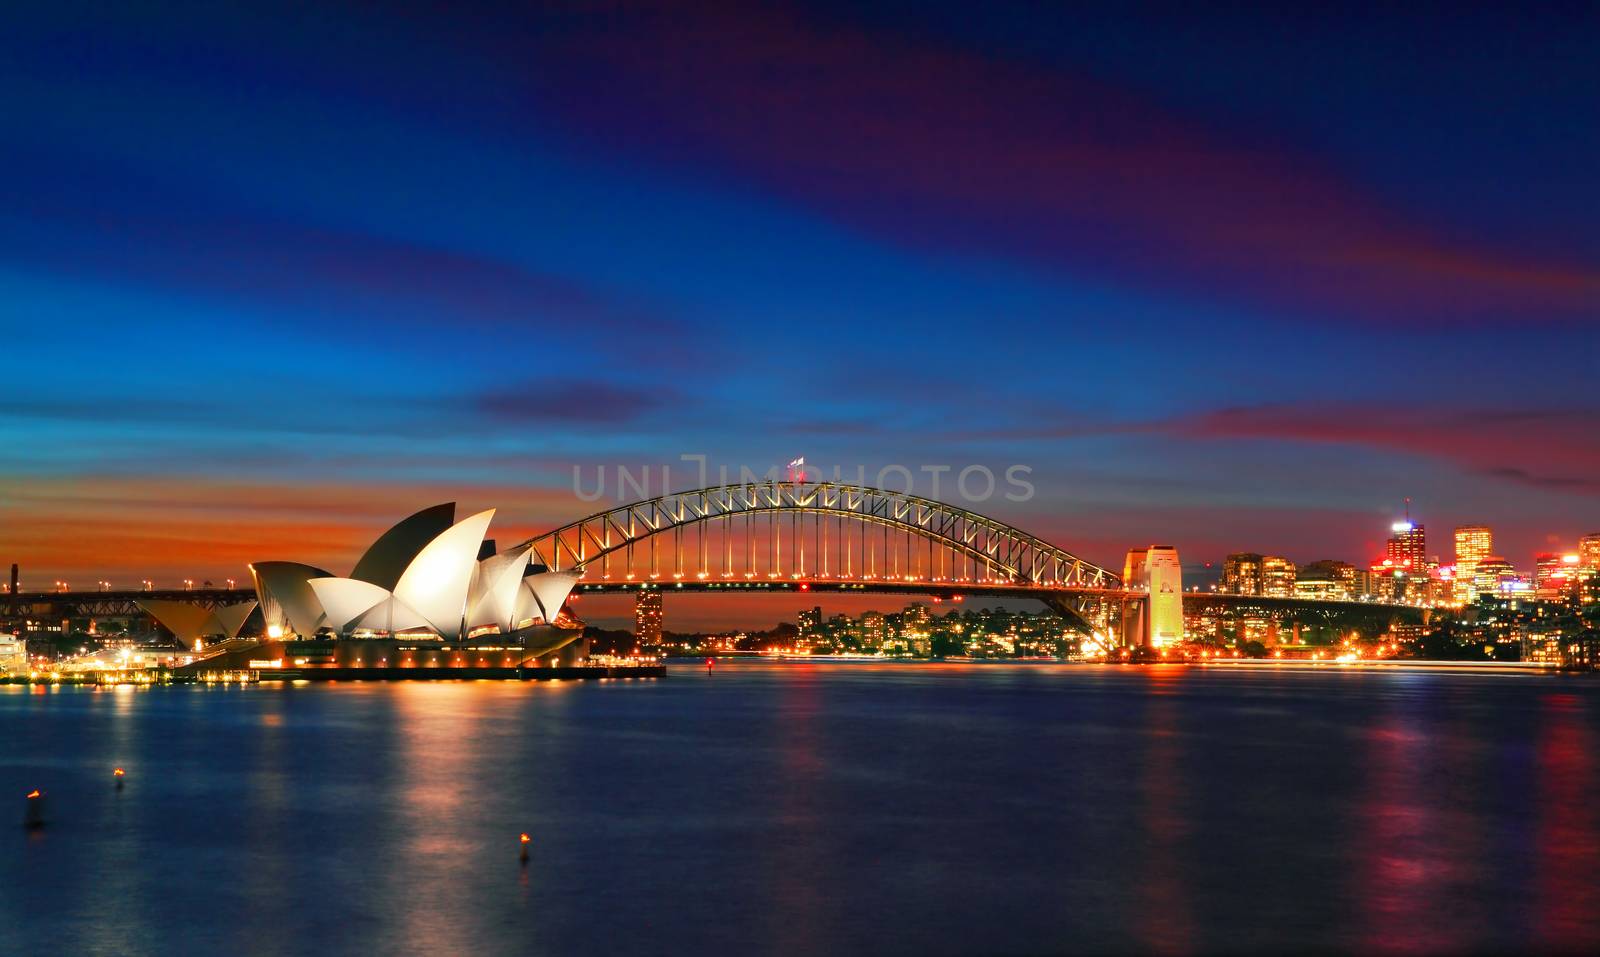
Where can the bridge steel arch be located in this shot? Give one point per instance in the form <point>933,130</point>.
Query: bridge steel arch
<point>1008,552</point>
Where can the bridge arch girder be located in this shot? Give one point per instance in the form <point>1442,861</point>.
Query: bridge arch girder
<point>1019,556</point>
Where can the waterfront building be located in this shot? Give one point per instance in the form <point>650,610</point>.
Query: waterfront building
<point>1319,588</point>
<point>647,618</point>
<point>13,653</point>
<point>428,577</point>
<point>1241,573</point>
<point>873,628</point>
<point>1277,577</point>
<point>1331,579</point>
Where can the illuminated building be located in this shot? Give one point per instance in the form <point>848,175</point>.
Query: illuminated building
<point>1474,543</point>
<point>192,624</point>
<point>1393,581</point>
<point>1491,574</point>
<point>1241,574</point>
<point>13,653</point>
<point>874,627</point>
<point>1588,552</point>
<point>810,621</point>
<point>1331,579</point>
<point>1361,583</point>
<point>1277,577</point>
<point>424,588</point>
<point>1556,575</point>
<point>1158,621</point>
<point>647,617</point>
<point>1408,549</point>
<point>1321,589</point>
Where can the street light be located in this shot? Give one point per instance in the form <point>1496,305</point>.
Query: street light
<point>188,584</point>
<point>148,585</point>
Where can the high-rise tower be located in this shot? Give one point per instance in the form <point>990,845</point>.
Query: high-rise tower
<point>1409,549</point>
<point>1474,543</point>
<point>647,618</point>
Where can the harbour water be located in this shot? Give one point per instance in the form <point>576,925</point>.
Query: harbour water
<point>812,808</point>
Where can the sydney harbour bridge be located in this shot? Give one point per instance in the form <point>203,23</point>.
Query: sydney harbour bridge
<point>820,537</point>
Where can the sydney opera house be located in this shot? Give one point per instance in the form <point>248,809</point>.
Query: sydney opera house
<point>430,594</point>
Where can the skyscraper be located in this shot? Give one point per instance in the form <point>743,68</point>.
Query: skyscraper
<point>1408,549</point>
<point>647,617</point>
<point>1474,543</point>
<point>1588,551</point>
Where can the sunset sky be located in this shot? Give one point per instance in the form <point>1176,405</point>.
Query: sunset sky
<point>273,279</point>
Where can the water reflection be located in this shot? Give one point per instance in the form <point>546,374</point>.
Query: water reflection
<point>1163,805</point>
<point>795,859</point>
<point>816,808</point>
<point>437,773</point>
<point>1565,836</point>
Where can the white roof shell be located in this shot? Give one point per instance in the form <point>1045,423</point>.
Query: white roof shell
<point>394,551</point>
<point>494,590</point>
<point>543,594</point>
<point>288,604</point>
<point>346,599</point>
<point>436,582</point>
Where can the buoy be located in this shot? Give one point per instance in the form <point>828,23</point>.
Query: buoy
<point>710,663</point>
<point>119,775</point>
<point>525,841</point>
<point>34,816</point>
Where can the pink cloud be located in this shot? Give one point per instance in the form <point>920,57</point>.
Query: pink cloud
<point>940,147</point>
<point>1553,449</point>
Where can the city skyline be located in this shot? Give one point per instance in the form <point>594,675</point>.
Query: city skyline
<point>803,477</point>
<point>1221,280</point>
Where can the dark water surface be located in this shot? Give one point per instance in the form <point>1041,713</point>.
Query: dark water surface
<point>800,808</point>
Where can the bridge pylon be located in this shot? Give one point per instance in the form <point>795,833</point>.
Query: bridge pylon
<point>1156,620</point>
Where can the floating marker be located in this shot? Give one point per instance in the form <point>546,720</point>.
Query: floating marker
<point>119,775</point>
<point>34,816</point>
<point>525,841</point>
